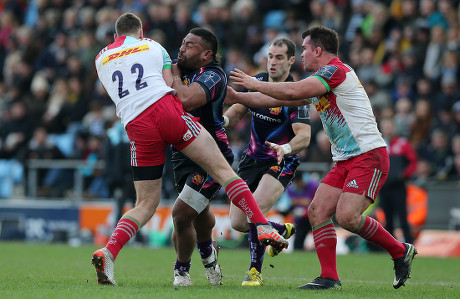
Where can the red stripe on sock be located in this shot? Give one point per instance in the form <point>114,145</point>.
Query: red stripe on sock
<point>325,245</point>
<point>241,196</point>
<point>374,232</point>
<point>125,230</point>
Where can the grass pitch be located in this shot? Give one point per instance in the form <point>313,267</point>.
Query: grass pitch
<point>58,271</point>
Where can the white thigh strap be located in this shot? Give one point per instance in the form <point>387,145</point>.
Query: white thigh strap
<point>194,199</point>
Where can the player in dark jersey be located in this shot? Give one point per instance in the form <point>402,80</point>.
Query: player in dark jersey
<point>269,163</point>
<point>201,84</point>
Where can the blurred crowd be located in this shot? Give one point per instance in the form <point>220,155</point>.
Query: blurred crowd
<point>405,52</point>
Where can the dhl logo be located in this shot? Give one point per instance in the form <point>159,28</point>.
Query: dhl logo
<point>322,104</point>
<point>124,53</point>
<point>275,111</point>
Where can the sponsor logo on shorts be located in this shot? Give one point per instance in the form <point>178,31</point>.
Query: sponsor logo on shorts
<point>187,135</point>
<point>197,179</point>
<point>352,184</point>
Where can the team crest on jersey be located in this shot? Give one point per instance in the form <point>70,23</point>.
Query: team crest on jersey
<point>124,53</point>
<point>197,179</point>
<point>322,104</point>
<point>275,168</point>
<point>275,111</point>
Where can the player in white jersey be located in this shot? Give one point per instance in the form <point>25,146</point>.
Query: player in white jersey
<point>136,72</point>
<point>357,146</point>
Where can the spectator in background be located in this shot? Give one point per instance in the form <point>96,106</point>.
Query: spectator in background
<point>40,147</point>
<point>393,195</point>
<point>16,127</point>
<point>404,117</point>
<point>433,58</point>
<point>438,152</point>
<point>95,181</point>
<point>298,196</point>
<point>47,37</point>
<point>420,128</point>
<point>116,149</point>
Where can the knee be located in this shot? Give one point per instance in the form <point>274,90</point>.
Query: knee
<point>205,220</point>
<point>348,221</point>
<point>238,224</point>
<point>314,211</point>
<point>146,207</point>
<point>181,218</point>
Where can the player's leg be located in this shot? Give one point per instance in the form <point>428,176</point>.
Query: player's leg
<point>401,209</point>
<point>148,197</point>
<point>387,203</point>
<point>207,248</point>
<point>369,172</point>
<point>147,160</point>
<point>204,151</point>
<point>196,143</point>
<point>269,190</point>
<point>320,213</point>
<point>184,239</point>
<point>193,224</point>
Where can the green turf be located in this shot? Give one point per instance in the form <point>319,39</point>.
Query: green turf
<point>57,271</point>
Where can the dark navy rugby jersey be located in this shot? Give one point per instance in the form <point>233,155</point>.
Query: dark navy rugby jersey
<point>273,125</point>
<point>214,82</point>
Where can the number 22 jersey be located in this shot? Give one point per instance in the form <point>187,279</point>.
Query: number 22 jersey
<point>130,70</point>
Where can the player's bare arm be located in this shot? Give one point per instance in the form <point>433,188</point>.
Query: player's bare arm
<point>300,141</point>
<point>192,96</point>
<point>286,91</point>
<point>167,76</point>
<point>234,114</point>
<point>258,100</point>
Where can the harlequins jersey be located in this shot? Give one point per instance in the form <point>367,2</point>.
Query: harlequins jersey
<point>346,112</point>
<point>273,125</point>
<point>131,77</point>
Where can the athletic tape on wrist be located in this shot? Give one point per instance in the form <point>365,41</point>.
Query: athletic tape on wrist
<point>286,148</point>
<point>226,121</point>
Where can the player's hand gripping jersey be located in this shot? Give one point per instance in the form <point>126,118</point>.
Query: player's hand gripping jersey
<point>213,80</point>
<point>346,112</point>
<point>131,77</point>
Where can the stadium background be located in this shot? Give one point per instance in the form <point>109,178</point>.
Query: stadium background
<point>52,107</point>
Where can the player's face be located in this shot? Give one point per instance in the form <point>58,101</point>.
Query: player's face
<point>278,64</point>
<point>308,55</point>
<point>190,52</point>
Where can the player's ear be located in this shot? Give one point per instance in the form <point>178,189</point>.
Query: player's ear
<point>318,51</point>
<point>291,60</point>
<point>207,54</point>
<point>115,36</point>
<point>141,34</point>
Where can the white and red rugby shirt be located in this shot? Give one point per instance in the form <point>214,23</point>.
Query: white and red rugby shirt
<point>346,112</point>
<point>130,70</point>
